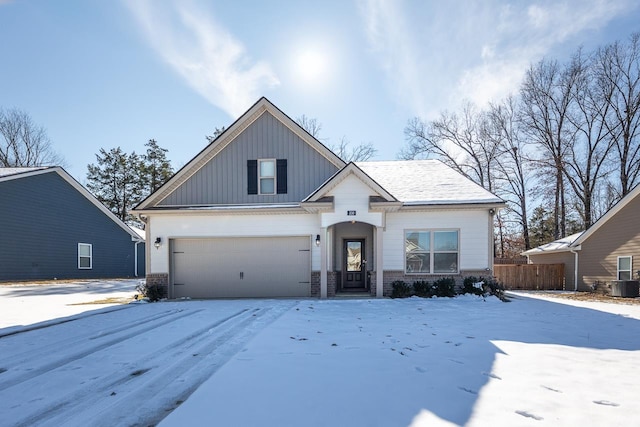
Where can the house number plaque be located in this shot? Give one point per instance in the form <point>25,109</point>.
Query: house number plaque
<point>351,213</point>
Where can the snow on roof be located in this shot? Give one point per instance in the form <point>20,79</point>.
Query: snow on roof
<point>416,182</point>
<point>139,231</point>
<point>15,171</point>
<point>559,245</point>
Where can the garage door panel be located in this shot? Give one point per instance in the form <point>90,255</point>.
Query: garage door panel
<point>241,267</point>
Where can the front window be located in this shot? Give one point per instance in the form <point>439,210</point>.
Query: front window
<point>624,267</point>
<point>267,176</point>
<point>431,251</point>
<point>85,256</point>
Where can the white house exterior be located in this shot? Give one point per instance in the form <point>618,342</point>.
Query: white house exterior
<point>266,210</point>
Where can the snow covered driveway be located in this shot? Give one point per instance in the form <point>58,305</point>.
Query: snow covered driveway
<point>125,367</point>
<point>437,362</point>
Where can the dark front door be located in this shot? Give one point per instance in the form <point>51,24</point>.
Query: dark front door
<point>354,268</point>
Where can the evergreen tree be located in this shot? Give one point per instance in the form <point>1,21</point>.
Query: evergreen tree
<point>115,181</point>
<point>155,167</point>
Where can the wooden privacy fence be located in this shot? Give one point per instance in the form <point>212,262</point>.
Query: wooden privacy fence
<point>531,276</point>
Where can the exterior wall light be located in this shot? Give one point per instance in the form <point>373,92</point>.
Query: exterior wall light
<point>158,242</point>
<point>317,240</point>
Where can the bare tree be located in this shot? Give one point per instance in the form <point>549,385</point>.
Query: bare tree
<point>460,141</point>
<point>23,142</point>
<point>617,69</point>
<point>547,95</point>
<point>584,163</point>
<point>311,125</point>
<point>359,153</point>
<point>216,133</point>
<point>513,164</point>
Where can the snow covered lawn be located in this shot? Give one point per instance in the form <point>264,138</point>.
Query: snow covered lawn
<point>462,361</point>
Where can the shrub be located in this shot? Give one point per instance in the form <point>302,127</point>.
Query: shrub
<point>400,289</point>
<point>492,287</point>
<point>152,292</point>
<point>444,287</point>
<point>422,288</point>
<point>473,285</point>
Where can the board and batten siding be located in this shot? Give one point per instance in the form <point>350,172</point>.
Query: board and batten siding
<point>619,236</point>
<point>223,181</point>
<point>42,220</point>
<point>473,237</point>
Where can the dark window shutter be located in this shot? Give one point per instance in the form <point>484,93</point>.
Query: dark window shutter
<point>281,176</point>
<point>252,176</point>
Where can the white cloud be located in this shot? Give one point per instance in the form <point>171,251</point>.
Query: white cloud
<point>391,42</point>
<point>205,54</point>
<point>440,53</point>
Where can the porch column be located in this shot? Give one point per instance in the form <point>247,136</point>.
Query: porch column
<point>323,263</point>
<point>379,281</point>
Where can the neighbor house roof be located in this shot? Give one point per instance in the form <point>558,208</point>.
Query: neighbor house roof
<point>426,182</point>
<point>574,241</point>
<point>560,245</point>
<point>10,174</point>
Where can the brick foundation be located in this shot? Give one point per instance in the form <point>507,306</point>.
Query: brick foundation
<point>390,276</point>
<point>333,277</point>
<point>161,280</point>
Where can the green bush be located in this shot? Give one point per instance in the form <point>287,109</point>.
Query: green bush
<point>152,292</point>
<point>422,288</point>
<point>494,288</point>
<point>469,286</point>
<point>400,289</point>
<point>444,287</point>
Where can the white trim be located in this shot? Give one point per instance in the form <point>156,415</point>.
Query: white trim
<point>432,250</point>
<point>630,257</point>
<point>84,256</point>
<point>274,177</point>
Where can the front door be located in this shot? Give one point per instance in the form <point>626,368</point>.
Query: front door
<point>354,268</point>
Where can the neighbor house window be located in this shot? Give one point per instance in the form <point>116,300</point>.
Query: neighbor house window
<point>267,176</point>
<point>85,256</point>
<point>431,251</point>
<point>624,267</point>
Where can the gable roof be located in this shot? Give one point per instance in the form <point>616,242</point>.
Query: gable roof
<point>426,182</point>
<point>563,245</point>
<point>9,174</point>
<point>341,175</point>
<point>263,105</point>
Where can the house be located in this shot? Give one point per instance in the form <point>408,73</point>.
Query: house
<point>266,210</point>
<point>609,250</point>
<point>52,227</point>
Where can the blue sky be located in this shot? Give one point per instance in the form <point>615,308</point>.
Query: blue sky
<point>101,74</point>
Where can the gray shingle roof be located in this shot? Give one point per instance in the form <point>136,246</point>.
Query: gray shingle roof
<point>417,182</point>
<point>15,171</point>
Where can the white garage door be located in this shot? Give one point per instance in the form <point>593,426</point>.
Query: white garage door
<point>241,267</point>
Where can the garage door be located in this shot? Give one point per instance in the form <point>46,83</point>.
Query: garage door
<point>241,267</point>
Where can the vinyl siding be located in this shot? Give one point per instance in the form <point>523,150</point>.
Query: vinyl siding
<point>620,236</point>
<point>473,237</point>
<point>224,179</point>
<point>42,220</point>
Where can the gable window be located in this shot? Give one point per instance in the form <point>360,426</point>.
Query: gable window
<point>431,251</point>
<point>624,267</point>
<point>85,256</point>
<point>267,176</point>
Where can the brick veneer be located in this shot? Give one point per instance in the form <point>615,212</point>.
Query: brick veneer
<point>390,276</point>
<point>161,280</point>
<point>332,281</point>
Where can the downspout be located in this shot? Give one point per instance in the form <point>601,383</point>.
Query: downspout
<point>135,257</point>
<point>575,270</point>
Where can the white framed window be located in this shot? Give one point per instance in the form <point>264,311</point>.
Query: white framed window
<point>85,256</point>
<point>267,176</point>
<point>625,264</point>
<point>431,251</point>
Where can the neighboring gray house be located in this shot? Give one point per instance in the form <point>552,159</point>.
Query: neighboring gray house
<point>267,210</point>
<point>52,227</point>
<point>609,250</point>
